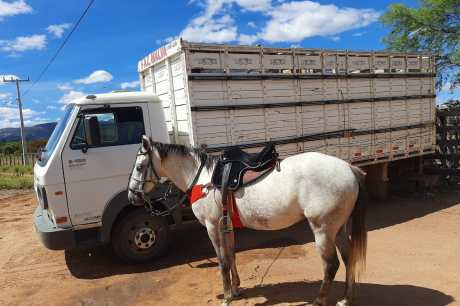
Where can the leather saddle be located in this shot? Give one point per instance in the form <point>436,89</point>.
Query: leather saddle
<point>238,168</point>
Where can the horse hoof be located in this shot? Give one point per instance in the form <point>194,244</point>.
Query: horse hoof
<point>319,302</point>
<point>343,302</point>
<point>225,303</point>
<point>236,292</point>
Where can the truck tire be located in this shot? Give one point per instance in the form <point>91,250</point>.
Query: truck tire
<point>139,237</point>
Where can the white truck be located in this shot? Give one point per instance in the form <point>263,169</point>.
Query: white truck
<point>369,108</point>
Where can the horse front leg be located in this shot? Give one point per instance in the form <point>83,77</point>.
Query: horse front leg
<point>218,241</point>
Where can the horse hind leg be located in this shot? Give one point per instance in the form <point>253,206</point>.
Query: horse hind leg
<point>344,244</point>
<point>325,243</point>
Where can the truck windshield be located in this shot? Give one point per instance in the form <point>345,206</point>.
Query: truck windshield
<point>46,152</point>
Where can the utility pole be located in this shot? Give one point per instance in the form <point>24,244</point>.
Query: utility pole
<point>23,131</point>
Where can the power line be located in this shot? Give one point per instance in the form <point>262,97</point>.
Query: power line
<point>59,49</point>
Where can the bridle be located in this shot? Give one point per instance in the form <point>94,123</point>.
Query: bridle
<point>140,192</point>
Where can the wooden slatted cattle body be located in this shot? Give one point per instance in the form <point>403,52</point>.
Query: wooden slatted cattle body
<point>364,107</point>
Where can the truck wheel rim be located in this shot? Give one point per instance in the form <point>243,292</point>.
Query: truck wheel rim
<point>144,237</point>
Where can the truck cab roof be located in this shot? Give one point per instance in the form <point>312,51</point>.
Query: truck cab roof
<point>117,97</point>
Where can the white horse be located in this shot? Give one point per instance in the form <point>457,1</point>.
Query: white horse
<point>325,190</point>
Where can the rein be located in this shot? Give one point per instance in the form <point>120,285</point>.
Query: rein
<point>148,205</point>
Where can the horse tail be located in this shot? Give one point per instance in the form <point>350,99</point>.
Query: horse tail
<point>357,259</point>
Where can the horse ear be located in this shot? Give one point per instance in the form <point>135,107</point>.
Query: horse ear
<point>145,142</point>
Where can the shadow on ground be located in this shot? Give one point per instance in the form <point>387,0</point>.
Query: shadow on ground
<point>192,244</point>
<point>367,294</point>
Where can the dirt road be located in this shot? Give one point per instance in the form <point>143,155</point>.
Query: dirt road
<point>413,260</point>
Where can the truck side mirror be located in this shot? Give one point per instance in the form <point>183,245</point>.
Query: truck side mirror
<point>93,137</point>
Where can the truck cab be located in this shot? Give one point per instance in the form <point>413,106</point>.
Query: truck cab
<point>82,174</point>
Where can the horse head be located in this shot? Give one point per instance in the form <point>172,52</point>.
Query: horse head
<point>144,175</point>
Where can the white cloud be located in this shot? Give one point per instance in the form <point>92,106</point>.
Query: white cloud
<point>64,87</point>
<point>291,21</point>
<point>254,5</point>
<point>24,43</point>
<point>297,20</point>
<point>245,39</point>
<point>126,85</point>
<point>51,107</point>
<point>98,76</point>
<point>14,8</point>
<point>215,25</point>
<point>358,34</point>
<point>57,30</point>
<point>71,96</point>
<point>9,117</point>
<point>5,96</point>
<point>206,28</point>
<point>252,24</point>
<point>7,77</point>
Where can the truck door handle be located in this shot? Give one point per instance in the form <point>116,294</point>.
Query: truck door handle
<point>77,162</point>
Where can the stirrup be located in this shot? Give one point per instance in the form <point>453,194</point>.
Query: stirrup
<point>228,228</point>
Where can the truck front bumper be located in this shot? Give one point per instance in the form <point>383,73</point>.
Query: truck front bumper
<point>52,237</point>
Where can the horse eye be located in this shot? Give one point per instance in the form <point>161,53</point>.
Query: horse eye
<point>139,168</point>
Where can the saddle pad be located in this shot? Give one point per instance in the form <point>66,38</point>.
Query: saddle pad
<point>197,194</point>
<point>237,176</point>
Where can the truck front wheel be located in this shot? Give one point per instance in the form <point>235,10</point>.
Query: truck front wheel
<point>139,237</point>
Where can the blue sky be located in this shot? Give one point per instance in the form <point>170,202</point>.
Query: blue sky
<point>102,54</point>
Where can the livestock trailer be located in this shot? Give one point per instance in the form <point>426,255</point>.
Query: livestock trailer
<point>364,107</point>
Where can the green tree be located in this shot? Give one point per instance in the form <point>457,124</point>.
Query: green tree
<point>433,27</point>
<point>10,147</point>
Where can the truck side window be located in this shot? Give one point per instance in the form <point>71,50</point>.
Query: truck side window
<point>107,128</point>
<point>117,126</point>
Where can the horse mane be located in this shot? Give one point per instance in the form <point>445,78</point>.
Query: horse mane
<point>166,149</point>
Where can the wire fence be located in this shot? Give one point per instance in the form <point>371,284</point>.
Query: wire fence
<point>16,159</point>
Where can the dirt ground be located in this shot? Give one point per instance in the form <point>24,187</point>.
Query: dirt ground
<point>413,260</point>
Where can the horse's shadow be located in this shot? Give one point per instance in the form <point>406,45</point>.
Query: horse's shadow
<point>192,244</point>
<point>368,294</point>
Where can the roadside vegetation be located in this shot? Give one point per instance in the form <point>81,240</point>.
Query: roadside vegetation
<point>14,147</point>
<point>16,177</point>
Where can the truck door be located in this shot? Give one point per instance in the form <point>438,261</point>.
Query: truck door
<point>94,175</point>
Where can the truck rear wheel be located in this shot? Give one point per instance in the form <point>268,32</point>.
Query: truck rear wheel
<point>139,237</point>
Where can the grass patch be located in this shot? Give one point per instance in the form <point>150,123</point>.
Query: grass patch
<point>18,170</point>
<point>16,182</point>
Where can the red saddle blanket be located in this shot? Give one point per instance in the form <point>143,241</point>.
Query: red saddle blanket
<point>197,194</point>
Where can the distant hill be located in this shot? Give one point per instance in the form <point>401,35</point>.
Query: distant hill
<point>39,131</point>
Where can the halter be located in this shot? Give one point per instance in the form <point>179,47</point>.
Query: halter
<point>141,192</point>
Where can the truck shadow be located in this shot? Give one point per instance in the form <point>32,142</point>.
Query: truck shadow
<point>191,243</point>
<point>366,293</point>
